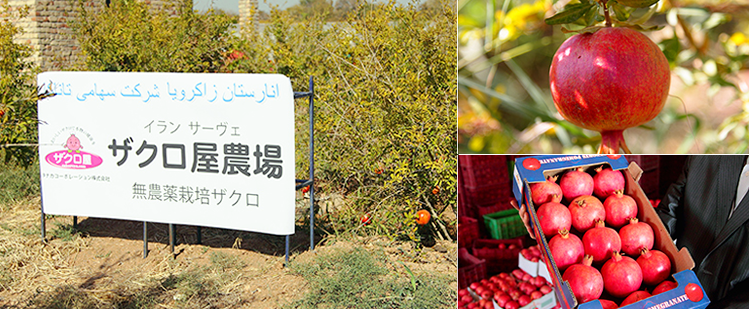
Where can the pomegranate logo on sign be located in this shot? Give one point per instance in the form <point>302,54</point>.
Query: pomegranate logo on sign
<point>73,157</point>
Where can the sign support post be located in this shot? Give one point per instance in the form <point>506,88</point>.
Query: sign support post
<point>301,183</point>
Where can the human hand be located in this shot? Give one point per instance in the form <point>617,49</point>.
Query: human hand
<point>523,216</point>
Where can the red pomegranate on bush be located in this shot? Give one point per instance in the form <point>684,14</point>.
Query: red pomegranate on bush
<point>635,236</point>
<point>585,281</point>
<point>553,218</point>
<point>665,286</point>
<point>635,297</point>
<point>655,266</point>
<point>585,211</point>
<point>607,181</point>
<point>545,192</point>
<point>621,275</point>
<point>609,80</point>
<point>601,242</point>
<point>619,209</point>
<point>576,183</point>
<point>567,249</point>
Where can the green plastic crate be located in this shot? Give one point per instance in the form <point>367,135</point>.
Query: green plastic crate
<point>505,224</point>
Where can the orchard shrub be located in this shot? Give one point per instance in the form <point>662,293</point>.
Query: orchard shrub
<point>385,108</point>
<point>18,92</point>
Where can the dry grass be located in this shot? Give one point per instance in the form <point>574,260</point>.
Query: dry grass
<point>84,269</point>
<point>40,275</point>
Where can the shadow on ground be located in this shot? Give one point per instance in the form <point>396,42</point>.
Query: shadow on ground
<point>211,237</point>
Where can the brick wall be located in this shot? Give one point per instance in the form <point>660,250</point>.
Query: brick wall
<point>47,27</point>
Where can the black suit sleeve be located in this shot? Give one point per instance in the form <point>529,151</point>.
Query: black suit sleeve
<point>737,298</point>
<point>670,207</point>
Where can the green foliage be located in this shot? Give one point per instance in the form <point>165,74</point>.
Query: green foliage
<point>385,94</point>
<point>359,279</point>
<point>129,36</point>
<point>17,182</point>
<point>18,93</point>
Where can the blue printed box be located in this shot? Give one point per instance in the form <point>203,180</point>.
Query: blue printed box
<point>688,295</point>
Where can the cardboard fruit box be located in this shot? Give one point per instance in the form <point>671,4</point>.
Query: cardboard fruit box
<point>688,295</point>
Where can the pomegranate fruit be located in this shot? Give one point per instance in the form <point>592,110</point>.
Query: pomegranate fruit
<point>621,275</point>
<point>576,183</point>
<point>635,236</point>
<point>635,297</point>
<point>545,192</point>
<point>601,242</point>
<point>607,181</point>
<point>567,249</point>
<point>524,300</point>
<point>655,266</point>
<point>609,80</point>
<point>502,299</point>
<point>619,209</point>
<point>553,217</point>
<point>585,281</point>
<point>607,304</point>
<point>585,211</point>
<point>665,286</point>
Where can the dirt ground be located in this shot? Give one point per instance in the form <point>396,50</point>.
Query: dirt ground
<point>106,259</point>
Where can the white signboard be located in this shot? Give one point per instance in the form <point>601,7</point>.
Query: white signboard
<point>198,149</point>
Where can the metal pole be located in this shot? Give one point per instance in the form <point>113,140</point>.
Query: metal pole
<point>200,235</point>
<point>311,165</point>
<point>171,237</point>
<point>145,239</point>
<point>287,251</point>
<point>44,229</point>
<point>43,223</point>
<point>75,222</point>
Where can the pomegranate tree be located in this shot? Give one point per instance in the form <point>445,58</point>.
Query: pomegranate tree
<point>619,209</point>
<point>567,249</point>
<point>547,191</point>
<point>601,242</point>
<point>585,281</point>
<point>635,236</point>
<point>585,211</point>
<point>621,275</point>
<point>553,218</point>
<point>607,181</point>
<point>609,80</point>
<point>575,183</point>
<point>655,266</point>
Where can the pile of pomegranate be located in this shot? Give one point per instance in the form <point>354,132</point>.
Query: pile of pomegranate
<point>509,290</point>
<point>596,240</point>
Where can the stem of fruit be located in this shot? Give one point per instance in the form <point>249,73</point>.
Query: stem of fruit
<point>612,141</point>
<point>606,13</point>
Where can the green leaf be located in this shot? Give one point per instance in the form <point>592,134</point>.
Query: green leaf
<point>620,12</point>
<point>571,13</point>
<point>671,48</point>
<point>590,29</point>
<point>638,3</point>
<point>639,27</point>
